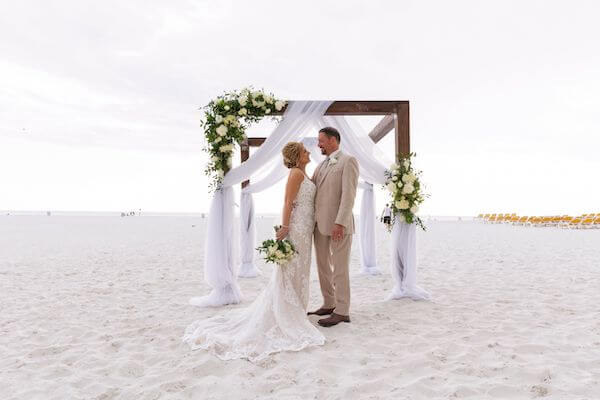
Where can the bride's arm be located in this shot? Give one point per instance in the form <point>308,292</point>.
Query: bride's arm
<point>291,191</point>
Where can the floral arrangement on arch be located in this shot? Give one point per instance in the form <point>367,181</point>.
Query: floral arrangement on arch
<point>402,181</point>
<point>226,119</point>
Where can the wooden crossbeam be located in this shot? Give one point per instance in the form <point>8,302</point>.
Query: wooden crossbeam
<point>359,108</point>
<point>382,128</point>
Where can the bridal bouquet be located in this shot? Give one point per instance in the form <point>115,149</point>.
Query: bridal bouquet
<point>277,251</point>
<point>405,190</point>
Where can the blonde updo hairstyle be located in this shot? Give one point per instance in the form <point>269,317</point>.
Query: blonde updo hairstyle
<point>291,154</point>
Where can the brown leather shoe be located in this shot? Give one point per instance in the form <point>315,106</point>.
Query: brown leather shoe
<point>333,320</point>
<point>321,311</point>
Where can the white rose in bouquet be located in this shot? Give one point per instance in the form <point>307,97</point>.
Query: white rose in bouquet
<point>243,100</point>
<point>268,99</point>
<point>218,119</point>
<point>408,188</point>
<point>214,158</point>
<point>391,187</point>
<point>268,111</point>
<point>279,254</point>
<point>226,108</point>
<point>218,139</point>
<point>414,209</point>
<point>394,178</point>
<point>406,164</point>
<point>279,105</point>
<point>406,178</point>
<point>399,184</point>
<point>243,111</point>
<point>402,204</point>
<point>222,130</point>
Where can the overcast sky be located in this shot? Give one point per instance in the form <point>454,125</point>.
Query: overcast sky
<point>99,100</point>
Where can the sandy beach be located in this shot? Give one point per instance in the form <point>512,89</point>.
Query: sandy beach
<point>95,307</point>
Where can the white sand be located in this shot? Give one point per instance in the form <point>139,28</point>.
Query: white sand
<point>94,308</point>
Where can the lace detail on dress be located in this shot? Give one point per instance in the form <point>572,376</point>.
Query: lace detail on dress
<point>276,320</point>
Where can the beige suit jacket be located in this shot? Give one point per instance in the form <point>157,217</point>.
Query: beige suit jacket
<point>336,190</point>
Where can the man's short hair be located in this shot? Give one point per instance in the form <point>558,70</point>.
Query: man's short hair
<point>331,132</point>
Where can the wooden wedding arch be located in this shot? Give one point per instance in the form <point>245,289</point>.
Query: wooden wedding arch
<point>395,116</point>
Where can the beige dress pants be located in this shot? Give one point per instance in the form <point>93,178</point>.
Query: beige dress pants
<point>333,259</point>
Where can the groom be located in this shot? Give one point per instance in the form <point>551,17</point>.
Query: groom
<point>336,179</point>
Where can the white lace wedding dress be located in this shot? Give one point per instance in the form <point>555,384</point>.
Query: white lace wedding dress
<point>276,321</point>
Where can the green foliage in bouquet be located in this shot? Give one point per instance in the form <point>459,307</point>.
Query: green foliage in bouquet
<point>277,251</point>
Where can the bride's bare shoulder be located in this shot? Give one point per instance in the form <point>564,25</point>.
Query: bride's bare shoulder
<point>296,173</point>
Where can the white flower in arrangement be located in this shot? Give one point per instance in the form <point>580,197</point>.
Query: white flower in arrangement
<point>220,173</point>
<point>406,178</point>
<point>391,187</point>
<point>218,139</point>
<point>279,104</point>
<point>408,188</point>
<point>222,130</point>
<point>257,103</point>
<point>230,120</point>
<point>226,148</point>
<point>399,184</point>
<point>406,164</point>
<point>394,178</point>
<point>226,108</point>
<point>414,209</point>
<point>268,111</point>
<point>256,94</point>
<point>268,99</point>
<point>279,254</point>
<point>243,111</point>
<point>332,161</point>
<point>214,158</point>
<point>218,119</point>
<point>402,204</point>
<point>243,100</point>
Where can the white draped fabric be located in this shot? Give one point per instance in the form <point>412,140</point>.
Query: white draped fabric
<point>404,262</point>
<point>366,229</point>
<point>219,258</point>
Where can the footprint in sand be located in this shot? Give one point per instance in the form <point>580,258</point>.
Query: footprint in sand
<point>132,370</point>
<point>171,387</point>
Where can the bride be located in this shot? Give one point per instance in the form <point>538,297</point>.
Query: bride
<point>276,320</point>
